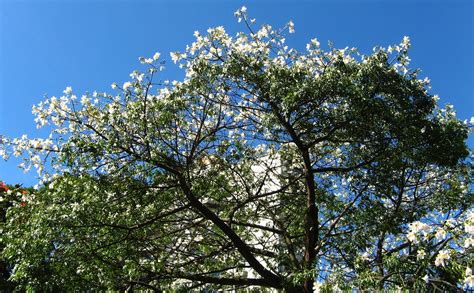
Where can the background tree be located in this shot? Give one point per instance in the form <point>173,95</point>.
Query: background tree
<point>12,198</point>
<point>264,167</point>
<point>5,269</point>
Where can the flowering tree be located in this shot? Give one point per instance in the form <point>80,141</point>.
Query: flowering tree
<point>264,167</point>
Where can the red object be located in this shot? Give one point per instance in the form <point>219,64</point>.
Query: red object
<point>3,186</point>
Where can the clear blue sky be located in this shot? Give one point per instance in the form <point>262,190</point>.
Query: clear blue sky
<point>48,45</point>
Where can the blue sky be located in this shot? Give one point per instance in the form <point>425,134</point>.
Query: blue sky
<point>48,45</point>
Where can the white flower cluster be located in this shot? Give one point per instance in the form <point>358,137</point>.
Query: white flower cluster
<point>151,60</point>
<point>456,235</point>
<point>415,229</point>
<point>468,278</point>
<point>442,257</point>
<point>241,13</point>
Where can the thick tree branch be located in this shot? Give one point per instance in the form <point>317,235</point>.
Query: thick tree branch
<point>272,279</point>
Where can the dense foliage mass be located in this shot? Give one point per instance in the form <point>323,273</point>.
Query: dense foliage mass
<point>265,167</point>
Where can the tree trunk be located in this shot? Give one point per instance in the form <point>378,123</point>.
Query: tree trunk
<point>311,222</point>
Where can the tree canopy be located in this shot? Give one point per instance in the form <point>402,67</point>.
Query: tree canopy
<point>265,167</point>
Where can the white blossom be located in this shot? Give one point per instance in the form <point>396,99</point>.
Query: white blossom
<point>317,286</point>
<point>175,56</point>
<point>85,100</point>
<point>440,234</point>
<point>469,277</point>
<point>469,228</point>
<point>126,85</point>
<point>421,254</point>
<point>442,257</point>
<point>68,90</point>
<point>405,42</point>
<point>291,27</point>
<point>468,242</point>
